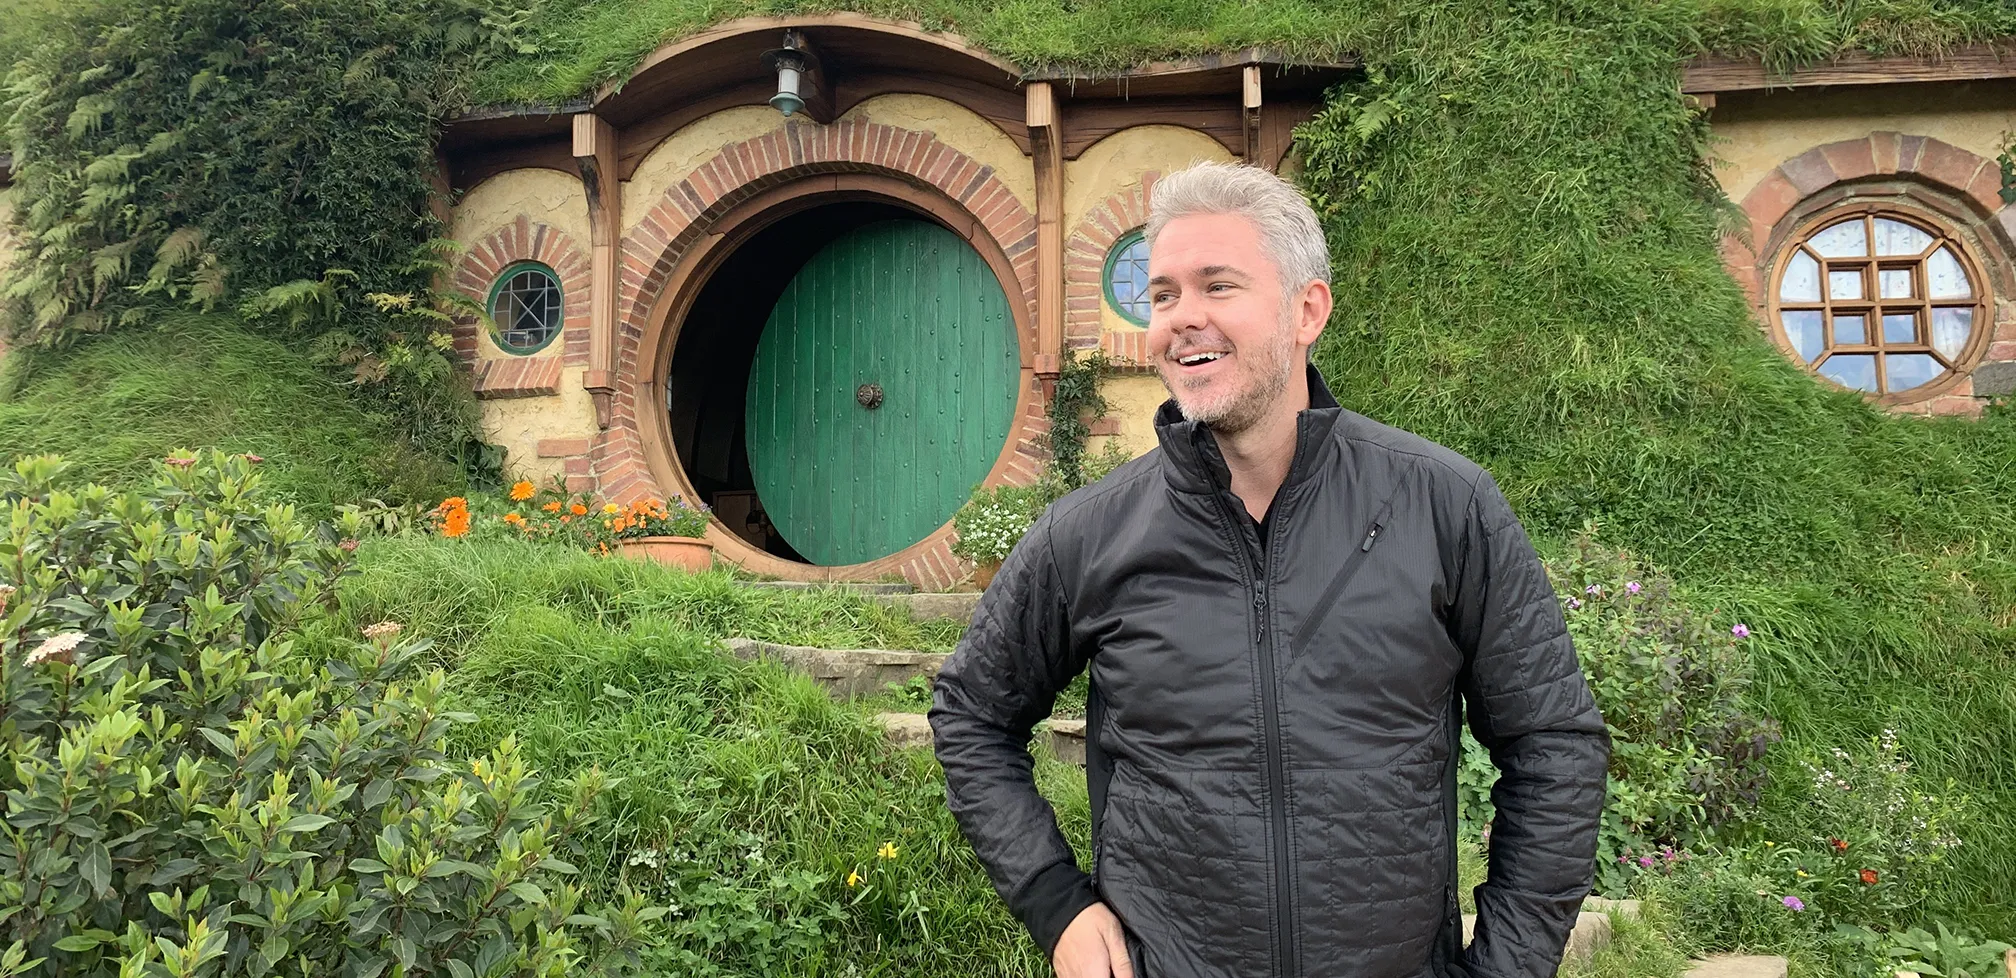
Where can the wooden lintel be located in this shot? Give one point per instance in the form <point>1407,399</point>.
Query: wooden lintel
<point>1974,62</point>
<point>595,152</point>
<point>1046,144</point>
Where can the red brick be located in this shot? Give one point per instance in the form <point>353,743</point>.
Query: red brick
<point>2001,350</point>
<point>1851,159</point>
<point>1955,405</point>
<point>1986,190</point>
<point>1768,203</point>
<point>1945,163</point>
<point>1908,150</point>
<point>1883,151</point>
<point>1809,172</point>
<point>564,447</point>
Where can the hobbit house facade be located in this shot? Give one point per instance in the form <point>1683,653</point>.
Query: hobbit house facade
<point>829,325</point>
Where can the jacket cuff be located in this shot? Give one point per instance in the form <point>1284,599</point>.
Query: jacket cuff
<point>1049,902</point>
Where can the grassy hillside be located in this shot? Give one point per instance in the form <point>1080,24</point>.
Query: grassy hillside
<point>114,404</point>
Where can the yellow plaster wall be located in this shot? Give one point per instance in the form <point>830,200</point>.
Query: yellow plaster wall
<point>519,423</point>
<point>960,128</point>
<point>555,199</point>
<point>1116,163</point>
<point>546,197</point>
<point>1755,132</point>
<point>682,152</point>
<point>1133,399</point>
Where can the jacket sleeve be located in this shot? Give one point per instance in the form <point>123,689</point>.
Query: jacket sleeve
<point>1003,678</point>
<point>1530,706</point>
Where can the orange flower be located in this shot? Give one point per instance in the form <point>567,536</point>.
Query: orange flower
<point>552,507</point>
<point>578,509</point>
<point>1839,846</point>
<point>566,519</point>
<point>522,491</point>
<point>1869,877</point>
<point>513,518</point>
<point>455,524</point>
<point>453,503</point>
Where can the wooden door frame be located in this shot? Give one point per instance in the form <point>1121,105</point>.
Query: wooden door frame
<point>728,233</point>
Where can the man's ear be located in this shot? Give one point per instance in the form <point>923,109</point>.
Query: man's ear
<point>1312,312</point>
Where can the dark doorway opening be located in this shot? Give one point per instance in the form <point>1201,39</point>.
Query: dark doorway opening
<point>707,386</point>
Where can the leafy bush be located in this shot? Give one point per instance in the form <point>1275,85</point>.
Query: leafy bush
<point>990,523</point>
<point>190,792</point>
<point>1686,753</point>
<point>274,157</point>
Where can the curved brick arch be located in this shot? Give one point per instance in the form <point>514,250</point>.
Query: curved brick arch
<point>1962,187</point>
<point>1085,272</point>
<point>694,209</point>
<point>524,240</point>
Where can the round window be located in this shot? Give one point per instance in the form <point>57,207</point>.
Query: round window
<point>525,304</point>
<point>1881,302</point>
<point>1127,277</point>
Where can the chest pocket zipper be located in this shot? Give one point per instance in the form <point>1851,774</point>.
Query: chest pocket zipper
<point>1352,562</point>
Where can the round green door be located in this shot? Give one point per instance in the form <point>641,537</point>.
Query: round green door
<point>882,391</point>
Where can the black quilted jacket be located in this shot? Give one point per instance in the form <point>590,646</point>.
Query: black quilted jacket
<point>1273,727</point>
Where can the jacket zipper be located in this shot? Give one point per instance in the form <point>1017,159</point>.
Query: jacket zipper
<point>1270,709</point>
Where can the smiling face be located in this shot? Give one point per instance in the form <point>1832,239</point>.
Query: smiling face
<point>1222,334</point>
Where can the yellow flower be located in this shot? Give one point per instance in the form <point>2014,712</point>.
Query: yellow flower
<point>888,851</point>
<point>611,508</point>
<point>522,491</point>
<point>853,879</point>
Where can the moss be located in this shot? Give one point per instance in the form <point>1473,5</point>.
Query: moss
<point>117,403</point>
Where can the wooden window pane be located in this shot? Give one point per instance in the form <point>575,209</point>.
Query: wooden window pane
<point>1802,327</point>
<point>1900,328</point>
<point>1844,284</point>
<point>1899,238</point>
<point>1894,283</point>
<point>1847,239</point>
<point>1951,329</point>
<point>1850,331</point>
<point>1903,371</point>
<point>1802,279</point>
<point>1944,277</point>
<point>1857,372</point>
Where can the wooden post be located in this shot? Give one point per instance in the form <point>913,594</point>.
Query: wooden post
<point>595,152</point>
<point>1249,115</point>
<point>1046,147</point>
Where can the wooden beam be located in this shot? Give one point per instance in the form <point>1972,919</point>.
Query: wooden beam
<point>595,152</point>
<point>1975,62</point>
<point>1249,102</point>
<point>1047,149</point>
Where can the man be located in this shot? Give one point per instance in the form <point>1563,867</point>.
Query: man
<point>1286,610</point>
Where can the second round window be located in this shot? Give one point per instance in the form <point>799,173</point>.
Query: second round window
<point>526,305</point>
<point>1879,301</point>
<point>1127,278</point>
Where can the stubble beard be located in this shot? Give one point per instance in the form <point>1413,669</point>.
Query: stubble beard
<point>1259,384</point>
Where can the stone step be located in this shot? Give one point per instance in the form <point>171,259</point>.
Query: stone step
<point>844,672</point>
<point>1738,966</point>
<point>1591,934</point>
<point>851,587</point>
<point>929,606</point>
<point>1065,737</point>
<point>1622,908</point>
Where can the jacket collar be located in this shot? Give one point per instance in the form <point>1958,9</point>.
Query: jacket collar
<point>1192,462</point>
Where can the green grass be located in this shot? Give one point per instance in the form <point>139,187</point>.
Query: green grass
<point>114,405</point>
<point>603,662</point>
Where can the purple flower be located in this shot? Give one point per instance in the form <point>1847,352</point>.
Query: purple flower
<point>1574,603</point>
<point>1634,587</point>
<point>1645,861</point>
<point>1740,631</point>
<point>1794,902</point>
<point>1593,589</point>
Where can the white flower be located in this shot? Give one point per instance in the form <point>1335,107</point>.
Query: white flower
<point>384,631</point>
<point>56,647</point>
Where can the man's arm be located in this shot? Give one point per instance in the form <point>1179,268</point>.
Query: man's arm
<point>1530,706</point>
<point>1003,678</point>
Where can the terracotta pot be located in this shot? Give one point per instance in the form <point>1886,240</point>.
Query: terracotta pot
<point>983,573</point>
<point>691,554</point>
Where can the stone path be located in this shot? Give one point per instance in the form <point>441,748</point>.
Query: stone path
<point>1738,966</point>
<point>844,672</point>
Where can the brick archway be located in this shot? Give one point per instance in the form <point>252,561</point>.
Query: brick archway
<point>666,257</point>
<point>524,240</point>
<point>1085,275</point>
<point>1958,185</point>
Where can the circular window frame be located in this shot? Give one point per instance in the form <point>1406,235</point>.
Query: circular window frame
<point>1809,222</point>
<point>490,307</point>
<point>1120,244</point>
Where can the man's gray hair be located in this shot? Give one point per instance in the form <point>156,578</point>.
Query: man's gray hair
<point>1289,232</point>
